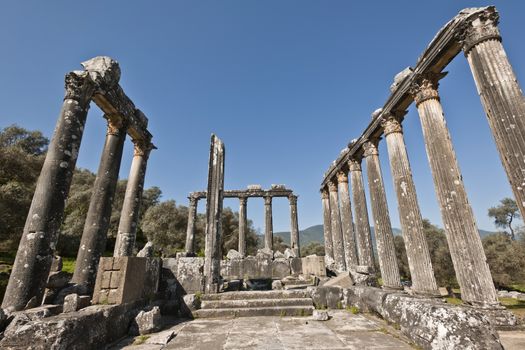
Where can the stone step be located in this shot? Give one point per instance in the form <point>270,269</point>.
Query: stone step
<point>297,282</point>
<point>296,286</point>
<point>255,303</point>
<point>266,294</point>
<point>258,311</point>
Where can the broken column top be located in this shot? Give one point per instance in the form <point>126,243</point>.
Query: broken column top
<point>103,69</point>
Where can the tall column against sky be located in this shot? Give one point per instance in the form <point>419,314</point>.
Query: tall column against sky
<point>127,227</point>
<point>243,224</point>
<point>362,225</point>
<point>327,227</point>
<point>421,271</point>
<point>268,223</point>
<point>93,241</point>
<point>347,221</point>
<point>337,232</point>
<point>28,278</point>
<point>470,263</point>
<point>294,223</point>
<point>501,96</point>
<point>190,229</point>
<point>386,251</point>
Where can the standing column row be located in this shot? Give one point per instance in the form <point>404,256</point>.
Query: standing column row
<point>347,221</point>
<point>337,233</point>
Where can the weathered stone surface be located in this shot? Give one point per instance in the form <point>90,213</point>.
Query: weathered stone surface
<point>233,254</point>
<point>264,253</point>
<point>277,285</point>
<point>190,274</point>
<point>190,230</point>
<point>289,253</point>
<point>74,302</point>
<point>58,279</point>
<point>57,264</point>
<point>146,251</point>
<point>296,265</point>
<point>327,227</point>
<point>294,226</point>
<point>343,280</point>
<point>327,297</point>
<point>320,315</point>
<point>148,321</point>
<point>347,221</point>
<point>243,225</point>
<point>363,278</point>
<point>314,265</point>
<point>279,255</point>
<point>336,230</point>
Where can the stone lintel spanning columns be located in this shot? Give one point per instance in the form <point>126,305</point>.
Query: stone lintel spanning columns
<point>93,241</point>
<point>294,223</point>
<point>362,225</point>
<point>337,232</point>
<point>268,223</point>
<point>190,229</point>
<point>501,96</point>
<point>33,260</point>
<point>382,227</point>
<point>347,221</point>
<point>327,227</point>
<point>421,271</point>
<point>463,238</point>
<point>127,228</point>
<point>243,224</point>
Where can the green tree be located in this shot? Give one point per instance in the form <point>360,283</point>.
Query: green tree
<point>313,248</point>
<point>504,214</point>
<point>401,255</point>
<point>439,255</point>
<point>506,259</point>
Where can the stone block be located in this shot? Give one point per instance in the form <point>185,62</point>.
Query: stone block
<point>57,264</point>
<point>57,280</point>
<point>296,266</point>
<point>280,269</point>
<point>148,321</point>
<point>327,297</point>
<point>314,265</point>
<point>320,315</point>
<point>190,274</point>
<point>233,254</point>
<point>74,302</point>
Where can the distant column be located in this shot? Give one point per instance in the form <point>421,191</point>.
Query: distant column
<point>363,235</point>
<point>28,278</point>
<point>129,216</point>
<point>190,229</point>
<point>463,238</point>
<point>268,227</point>
<point>294,233</point>
<point>93,242</point>
<point>421,271</point>
<point>347,221</point>
<point>337,233</point>
<point>243,224</point>
<point>327,227</point>
<point>386,251</point>
<point>501,96</point>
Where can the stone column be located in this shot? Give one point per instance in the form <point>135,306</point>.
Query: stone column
<point>190,229</point>
<point>362,225</point>
<point>470,263</point>
<point>347,221</point>
<point>294,232</point>
<point>243,225</point>
<point>421,271</point>
<point>33,260</point>
<point>337,232</point>
<point>127,227</point>
<point>386,251</point>
<point>268,223</point>
<point>327,227</point>
<point>501,96</point>
<point>93,242</point>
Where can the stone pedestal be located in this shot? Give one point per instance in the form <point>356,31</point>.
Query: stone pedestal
<point>190,230</point>
<point>243,225</point>
<point>35,251</point>
<point>347,221</point>
<point>470,263</point>
<point>268,223</point>
<point>327,228</point>
<point>294,223</point>
<point>337,233</point>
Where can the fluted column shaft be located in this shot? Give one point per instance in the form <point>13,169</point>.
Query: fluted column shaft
<point>33,260</point>
<point>347,221</point>
<point>294,223</point>
<point>190,229</point>
<point>463,238</point>
<point>337,232</point>
<point>502,99</point>
<point>327,227</point>
<point>362,225</point>
<point>386,252</point>
<point>421,271</point>
<point>243,224</point>
<point>268,223</point>
<point>127,227</point>
<point>93,241</point>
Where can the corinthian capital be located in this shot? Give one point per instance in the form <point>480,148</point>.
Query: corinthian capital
<point>293,199</point>
<point>332,185</point>
<point>425,86</point>
<point>142,149</point>
<point>370,148</point>
<point>324,193</point>
<point>116,126</point>
<point>79,87</point>
<point>391,125</point>
<point>354,164</point>
<point>268,200</point>
<point>342,177</point>
<point>481,28</point>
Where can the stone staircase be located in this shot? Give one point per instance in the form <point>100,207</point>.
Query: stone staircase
<point>255,303</point>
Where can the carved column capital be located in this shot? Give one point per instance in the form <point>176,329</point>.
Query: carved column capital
<point>391,125</point>
<point>324,193</point>
<point>79,87</point>
<point>332,185</point>
<point>482,28</point>
<point>193,201</point>
<point>116,126</point>
<point>425,86</point>
<point>243,200</point>
<point>293,199</point>
<point>142,148</point>
<point>268,200</point>
<point>342,177</point>
<point>370,148</point>
<point>354,164</point>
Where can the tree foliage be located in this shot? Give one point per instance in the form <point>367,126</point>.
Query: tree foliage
<point>506,259</point>
<point>313,248</point>
<point>504,214</point>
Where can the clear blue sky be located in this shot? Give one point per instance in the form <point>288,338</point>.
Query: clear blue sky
<point>285,84</point>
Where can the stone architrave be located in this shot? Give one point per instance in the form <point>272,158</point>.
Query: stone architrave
<point>34,257</point>
<point>268,223</point>
<point>243,225</point>
<point>347,221</point>
<point>421,271</point>
<point>127,227</point>
<point>466,250</point>
<point>327,227</point>
<point>500,94</point>
<point>294,223</point>
<point>190,230</point>
<point>214,200</point>
<point>386,252</point>
<point>337,232</point>
<point>93,242</point>
<point>362,225</point>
